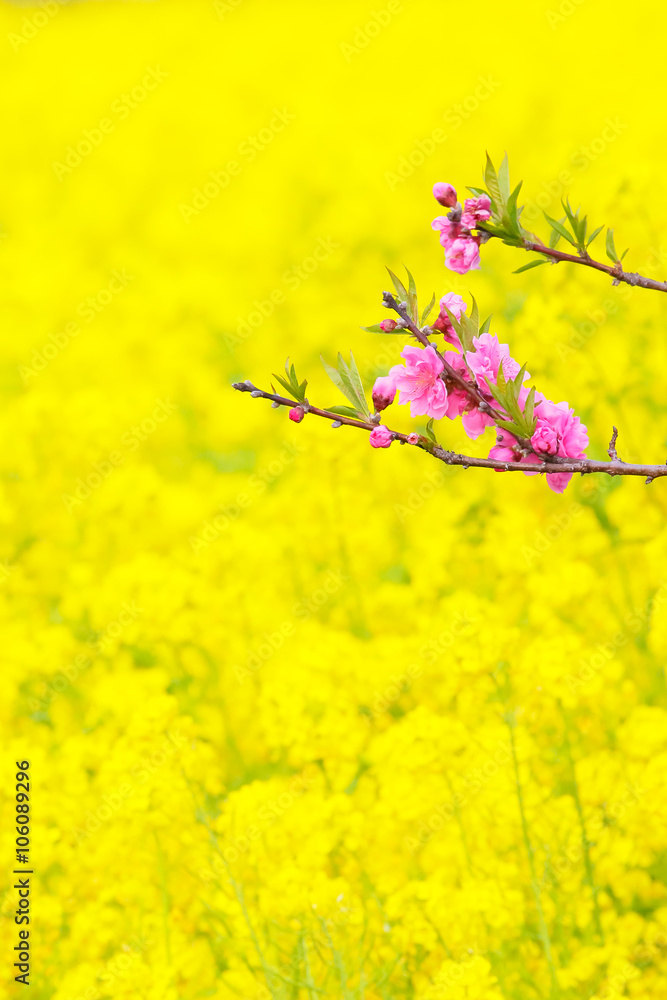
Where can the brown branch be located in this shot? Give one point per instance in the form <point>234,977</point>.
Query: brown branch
<point>616,271</point>
<point>584,466</point>
<point>469,387</point>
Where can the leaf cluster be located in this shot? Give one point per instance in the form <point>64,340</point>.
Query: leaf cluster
<point>505,222</point>
<point>347,379</point>
<point>291,383</point>
<point>409,297</point>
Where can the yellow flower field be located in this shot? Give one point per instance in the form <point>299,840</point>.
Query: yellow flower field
<point>305,719</point>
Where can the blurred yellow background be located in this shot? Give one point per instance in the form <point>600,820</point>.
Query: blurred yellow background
<point>285,698</point>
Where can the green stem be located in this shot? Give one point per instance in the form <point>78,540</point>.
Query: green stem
<point>544,932</point>
<point>585,843</point>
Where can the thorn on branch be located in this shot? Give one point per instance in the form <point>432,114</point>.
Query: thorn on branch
<point>611,450</point>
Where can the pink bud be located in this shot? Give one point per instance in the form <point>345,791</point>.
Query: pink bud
<point>445,194</point>
<point>388,324</point>
<point>413,438</point>
<point>381,437</point>
<point>297,414</point>
<point>384,391</point>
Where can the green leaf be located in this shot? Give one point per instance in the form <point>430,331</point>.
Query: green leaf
<point>474,314</point>
<point>512,210</point>
<point>467,330</point>
<point>486,325</point>
<point>412,288</point>
<point>376,328</point>
<point>430,433</point>
<point>491,180</point>
<point>284,383</point>
<point>412,297</point>
<point>399,286</point>
<point>611,249</point>
<point>350,376</point>
<point>530,406</point>
<point>554,239</point>
<point>337,380</point>
<point>498,231</point>
<point>346,411</point>
<point>427,311</point>
<point>477,191</point>
<point>527,267</point>
<point>581,233</point>
<point>507,426</point>
<point>594,235</point>
<point>291,382</point>
<point>501,380</point>
<point>559,229</point>
<point>623,254</point>
<point>504,180</point>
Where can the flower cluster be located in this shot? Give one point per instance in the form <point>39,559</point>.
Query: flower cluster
<point>465,383</point>
<point>456,228</point>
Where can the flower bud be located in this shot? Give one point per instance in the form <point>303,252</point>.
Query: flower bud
<point>445,194</point>
<point>381,437</point>
<point>388,325</point>
<point>296,414</point>
<point>384,392</point>
<point>413,438</point>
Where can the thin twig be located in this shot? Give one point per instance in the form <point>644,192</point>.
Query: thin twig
<point>614,271</point>
<point>556,464</point>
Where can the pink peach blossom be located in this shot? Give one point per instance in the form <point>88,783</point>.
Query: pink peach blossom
<point>383,393</point>
<point>558,432</point>
<point>445,194</point>
<point>456,306</point>
<point>413,438</point>
<point>487,357</point>
<point>381,437</point>
<point>419,384</point>
<point>476,210</point>
<point>449,231</point>
<point>462,255</point>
